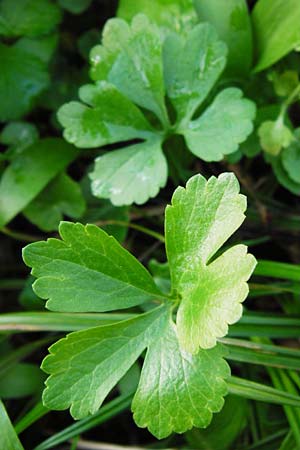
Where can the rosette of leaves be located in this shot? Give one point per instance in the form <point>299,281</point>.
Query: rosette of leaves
<point>142,78</point>
<point>183,380</point>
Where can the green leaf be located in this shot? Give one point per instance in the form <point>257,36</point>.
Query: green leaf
<point>75,6</point>
<point>222,127</point>
<point>177,390</point>
<point>42,47</point>
<point>192,65</point>
<point>17,136</point>
<point>224,428</point>
<point>21,380</point>
<point>282,175</point>
<point>87,364</point>
<point>61,196</point>
<point>8,437</point>
<point>133,65</point>
<point>276,30</point>
<point>117,174</point>
<point>199,221</point>
<point>290,158</point>
<point>274,135</point>
<point>23,77</point>
<point>30,172</point>
<point>106,117</point>
<point>134,69</point>
<point>177,15</point>
<point>232,21</point>
<point>284,83</point>
<point>28,17</point>
<point>87,271</point>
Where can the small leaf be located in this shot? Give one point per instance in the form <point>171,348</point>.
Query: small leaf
<point>177,390</point>
<point>61,196</point>
<point>75,6</point>
<point>282,175</point>
<point>134,64</point>
<point>274,135</point>
<point>30,172</point>
<point>199,221</point>
<point>276,30</point>
<point>87,271</point>
<point>290,158</point>
<point>28,17</point>
<point>222,127</point>
<point>117,174</point>
<point>232,21</point>
<point>105,118</point>
<point>284,83</point>
<point>18,136</point>
<point>87,364</point>
<point>23,77</point>
<point>192,65</point>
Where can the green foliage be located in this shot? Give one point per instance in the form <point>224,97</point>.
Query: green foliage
<point>274,135</point>
<point>177,15</point>
<point>160,100</point>
<point>136,71</point>
<point>62,196</point>
<point>276,30</point>
<point>75,6</point>
<point>224,429</point>
<point>232,22</point>
<point>21,380</point>
<point>199,221</point>
<point>30,172</point>
<point>8,436</point>
<point>114,279</point>
<point>90,271</point>
<point>28,17</point>
<point>23,77</point>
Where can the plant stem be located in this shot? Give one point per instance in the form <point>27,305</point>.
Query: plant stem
<point>140,228</point>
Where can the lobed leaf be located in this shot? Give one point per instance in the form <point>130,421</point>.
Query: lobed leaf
<point>87,271</point>
<point>87,364</point>
<point>222,127</point>
<point>117,174</point>
<point>105,117</point>
<point>134,63</point>
<point>192,65</point>
<point>178,390</point>
<point>199,221</point>
<point>232,22</point>
<point>177,15</point>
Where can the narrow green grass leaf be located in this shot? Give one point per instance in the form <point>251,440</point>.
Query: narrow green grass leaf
<point>260,392</point>
<point>8,437</point>
<point>108,411</point>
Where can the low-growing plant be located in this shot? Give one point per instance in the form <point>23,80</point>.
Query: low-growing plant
<point>195,98</point>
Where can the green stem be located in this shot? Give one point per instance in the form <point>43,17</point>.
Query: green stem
<point>291,98</point>
<point>20,236</point>
<point>140,228</point>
